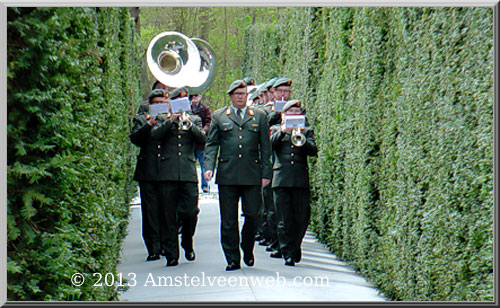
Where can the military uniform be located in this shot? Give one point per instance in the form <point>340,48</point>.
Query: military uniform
<point>241,149</point>
<point>148,173</point>
<point>291,189</point>
<point>179,172</point>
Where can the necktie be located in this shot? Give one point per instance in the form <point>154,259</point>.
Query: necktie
<point>239,113</point>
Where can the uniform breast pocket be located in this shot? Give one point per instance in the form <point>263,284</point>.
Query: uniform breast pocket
<point>227,128</point>
<point>254,128</point>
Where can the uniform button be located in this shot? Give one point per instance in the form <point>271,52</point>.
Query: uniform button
<point>292,155</point>
<point>240,146</point>
<point>292,162</point>
<point>239,155</point>
<point>159,155</point>
<point>179,136</point>
<point>241,137</point>
<point>179,145</point>
<point>159,146</point>
<point>180,153</point>
<point>292,146</point>
<point>240,128</point>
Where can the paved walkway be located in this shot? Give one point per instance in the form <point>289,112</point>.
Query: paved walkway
<point>319,277</point>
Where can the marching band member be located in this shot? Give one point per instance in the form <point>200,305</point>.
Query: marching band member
<point>178,170</point>
<point>291,183</point>
<point>148,173</point>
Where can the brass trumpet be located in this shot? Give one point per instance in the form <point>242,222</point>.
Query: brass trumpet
<point>298,139</point>
<point>185,121</point>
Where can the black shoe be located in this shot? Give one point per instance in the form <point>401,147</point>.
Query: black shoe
<point>276,254</point>
<point>232,266</point>
<point>289,261</point>
<point>263,242</point>
<point>190,256</point>
<point>249,259</point>
<point>258,237</point>
<point>153,257</point>
<point>172,262</point>
<point>270,248</point>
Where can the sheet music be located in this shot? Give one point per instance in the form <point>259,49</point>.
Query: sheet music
<point>278,105</point>
<point>180,104</point>
<point>295,121</point>
<point>155,109</point>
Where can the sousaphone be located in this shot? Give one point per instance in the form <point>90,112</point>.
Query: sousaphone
<point>179,61</point>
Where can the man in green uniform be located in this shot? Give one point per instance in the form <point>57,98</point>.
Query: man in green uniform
<point>238,141</point>
<point>149,174</point>
<point>178,170</point>
<point>279,88</point>
<point>291,184</point>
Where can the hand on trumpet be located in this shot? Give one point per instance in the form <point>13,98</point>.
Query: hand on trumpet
<point>175,116</point>
<point>151,120</point>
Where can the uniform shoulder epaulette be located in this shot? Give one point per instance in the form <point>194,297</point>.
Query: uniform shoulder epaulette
<point>250,111</point>
<point>228,111</point>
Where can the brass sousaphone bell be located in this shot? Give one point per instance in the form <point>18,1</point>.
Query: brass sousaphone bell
<point>179,61</point>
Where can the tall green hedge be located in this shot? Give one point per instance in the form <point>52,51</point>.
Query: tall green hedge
<point>402,104</point>
<point>73,83</point>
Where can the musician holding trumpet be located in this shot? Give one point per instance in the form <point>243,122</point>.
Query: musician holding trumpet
<point>292,141</point>
<point>149,172</point>
<point>178,132</point>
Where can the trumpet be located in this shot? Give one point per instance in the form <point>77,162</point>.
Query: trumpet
<point>185,122</point>
<point>298,139</point>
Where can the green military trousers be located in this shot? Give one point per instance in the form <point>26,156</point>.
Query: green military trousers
<point>251,202</point>
<point>293,212</point>
<point>151,207</point>
<point>180,206</point>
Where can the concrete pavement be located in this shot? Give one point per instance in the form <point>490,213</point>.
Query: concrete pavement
<point>319,277</point>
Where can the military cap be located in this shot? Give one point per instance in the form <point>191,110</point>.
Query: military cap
<point>294,103</point>
<point>236,85</point>
<point>157,93</point>
<point>270,83</point>
<point>282,82</point>
<point>179,92</point>
<point>249,81</point>
<point>254,95</point>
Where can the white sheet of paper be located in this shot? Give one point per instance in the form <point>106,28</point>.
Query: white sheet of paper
<point>180,104</point>
<point>295,121</point>
<point>278,105</point>
<point>156,109</point>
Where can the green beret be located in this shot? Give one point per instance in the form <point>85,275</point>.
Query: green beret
<point>270,83</point>
<point>255,95</point>
<point>157,93</point>
<point>282,82</point>
<point>294,103</point>
<point>261,88</point>
<point>179,92</point>
<point>236,85</point>
<point>249,81</point>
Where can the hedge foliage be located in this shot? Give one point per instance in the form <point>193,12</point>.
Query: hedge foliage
<point>73,84</point>
<point>402,104</point>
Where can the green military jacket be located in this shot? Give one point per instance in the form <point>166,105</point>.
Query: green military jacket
<point>167,153</point>
<point>240,147</point>
<point>290,162</point>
